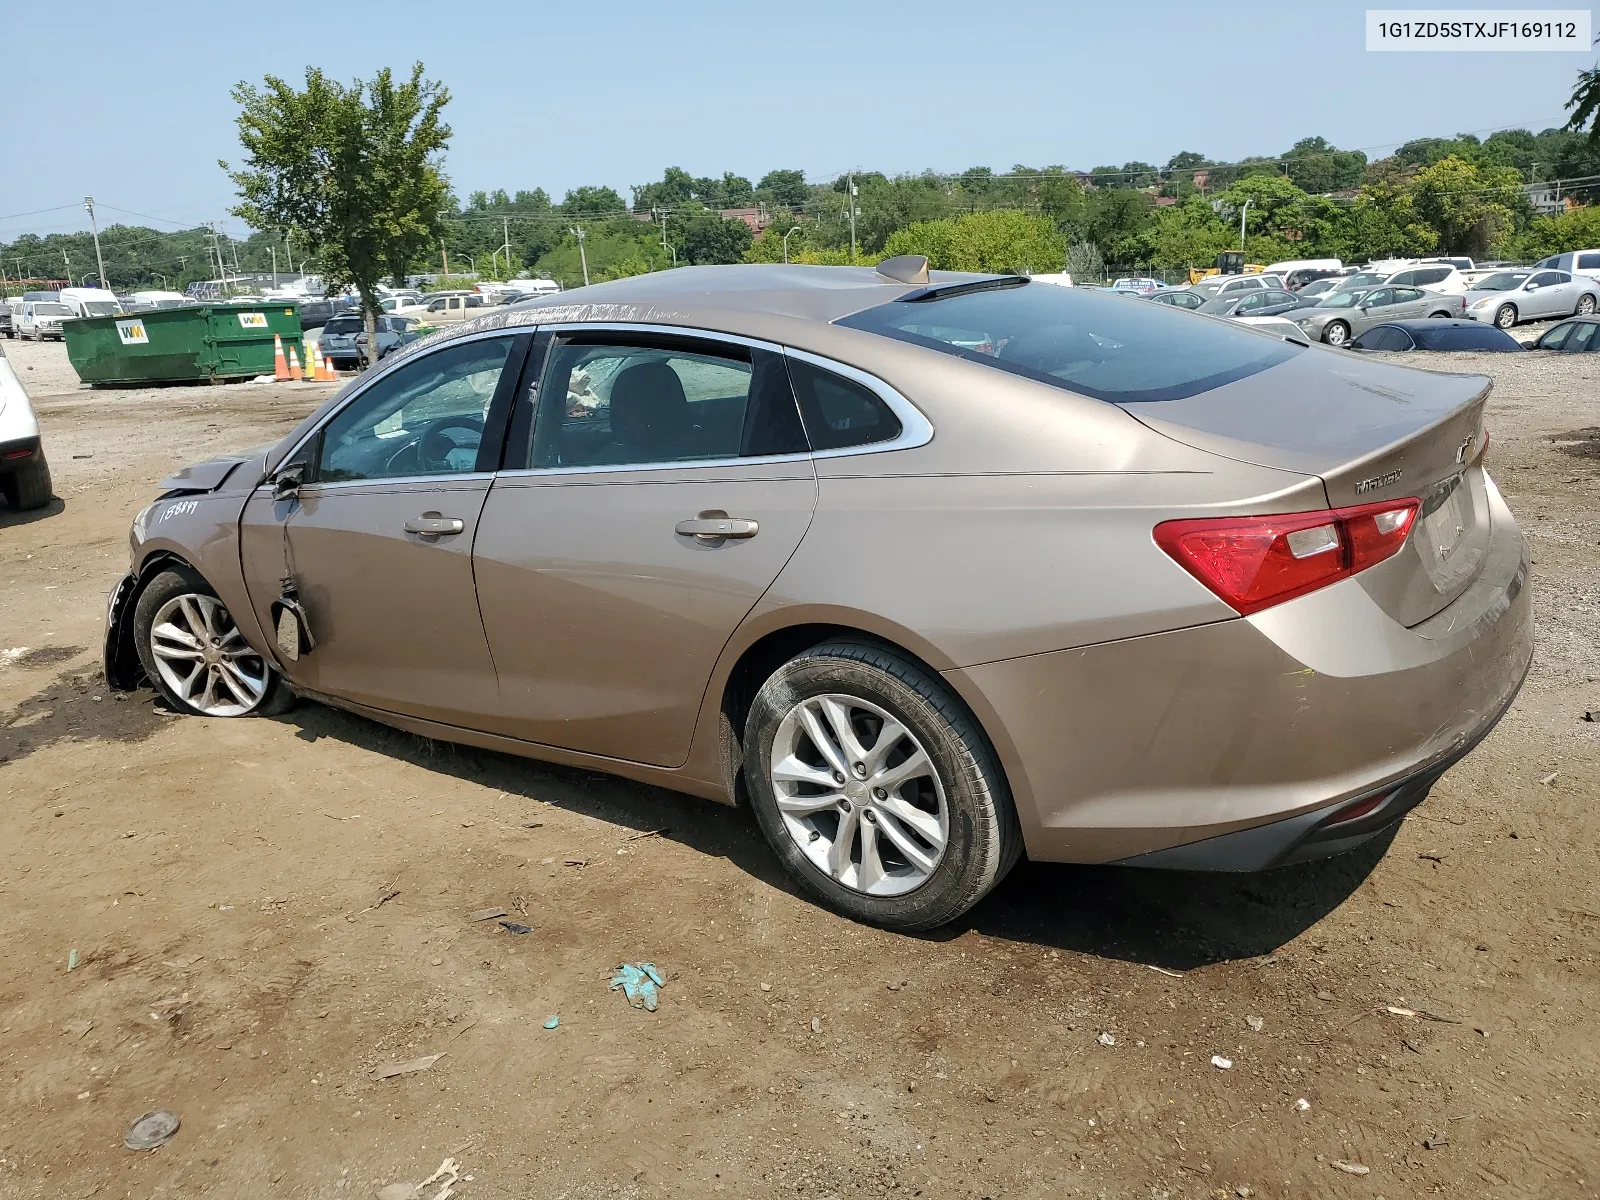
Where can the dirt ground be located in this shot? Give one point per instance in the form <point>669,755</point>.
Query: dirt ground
<point>261,912</point>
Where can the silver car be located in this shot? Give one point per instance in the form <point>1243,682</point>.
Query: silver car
<point>1343,315</point>
<point>932,570</point>
<point>1508,297</point>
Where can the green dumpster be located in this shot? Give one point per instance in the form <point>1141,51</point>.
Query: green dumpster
<point>197,342</point>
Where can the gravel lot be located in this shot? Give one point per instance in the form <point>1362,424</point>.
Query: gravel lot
<point>262,912</point>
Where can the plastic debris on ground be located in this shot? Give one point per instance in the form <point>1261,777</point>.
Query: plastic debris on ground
<point>1222,1064</point>
<point>1350,1168</point>
<point>390,1070</point>
<point>72,960</point>
<point>1107,1039</point>
<point>1256,1023</point>
<point>638,982</point>
<point>816,1024</point>
<point>151,1131</point>
<point>449,1171</point>
<point>1302,1104</point>
<point>552,1021</point>
<point>516,927</point>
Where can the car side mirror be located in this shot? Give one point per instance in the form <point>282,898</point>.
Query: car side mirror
<point>286,484</point>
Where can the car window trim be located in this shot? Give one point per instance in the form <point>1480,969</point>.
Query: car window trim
<point>915,428</point>
<point>383,371</point>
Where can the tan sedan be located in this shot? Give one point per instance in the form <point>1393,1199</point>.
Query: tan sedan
<point>932,571</point>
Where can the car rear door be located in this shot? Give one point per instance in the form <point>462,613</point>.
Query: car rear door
<point>655,485</point>
<point>378,542</point>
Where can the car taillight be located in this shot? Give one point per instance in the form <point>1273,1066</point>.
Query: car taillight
<point>1252,563</point>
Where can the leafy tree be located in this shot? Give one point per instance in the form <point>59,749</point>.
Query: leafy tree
<point>1385,222</point>
<point>997,240</point>
<point>615,249</point>
<point>1114,219</point>
<point>1469,206</point>
<point>701,236</point>
<point>351,171</point>
<point>1585,103</point>
<point>785,187</point>
<point>592,202</point>
<point>1577,229</point>
<point>675,188</point>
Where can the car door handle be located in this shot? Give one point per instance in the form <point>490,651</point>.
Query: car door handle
<point>717,528</point>
<point>431,524</point>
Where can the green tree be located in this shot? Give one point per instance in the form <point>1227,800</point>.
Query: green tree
<point>1585,103</point>
<point>1470,206</point>
<point>351,171</point>
<point>1385,222</point>
<point>701,236</point>
<point>1577,229</point>
<point>592,202</point>
<point>787,188</point>
<point>1003,240</point>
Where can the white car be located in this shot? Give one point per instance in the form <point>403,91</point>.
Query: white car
<point>1529,294</point>
<point>24,473</point>
<point>1440,278</point>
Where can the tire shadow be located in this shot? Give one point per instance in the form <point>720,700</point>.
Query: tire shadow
<point>11,516</point>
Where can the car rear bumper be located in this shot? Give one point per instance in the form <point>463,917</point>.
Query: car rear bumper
<point>1239,740</point>
<point>20,452</point>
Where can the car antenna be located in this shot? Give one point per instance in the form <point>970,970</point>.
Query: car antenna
<point>905,268</point>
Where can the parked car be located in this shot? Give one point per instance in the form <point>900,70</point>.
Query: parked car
<point>1181,298</point>
<point>41,319</point>
<point>1340,315</point>
<point>1577,336</point>
<point>158,299</point>
<point>1268,302</point>
<point>314,314</point>
<point>1434,335</point>
<point>1318,288</point>
<point>1574,262</point>
<point>393,332</point>
<point>1527,295</point>
<point>7,328</point>
<point>451,307</point>
<point>1297,280</point>
<point>1361,280</point>
<point>1316,267</point>
<point>24,473</point>
<point>397,300</point>
<point>1294,596</point>
<point>1431,277</point>
<point>1226,285</point>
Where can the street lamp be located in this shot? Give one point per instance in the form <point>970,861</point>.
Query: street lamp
<point>86,279</point>
<point>786,238</point>
<point>1242,212</point>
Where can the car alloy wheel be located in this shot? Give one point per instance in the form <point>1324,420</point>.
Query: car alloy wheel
<point>1585,306</point>
<point>203,658</point>
<point>1336,334</point>
<point>1506,317</point>
<point>859,794</point>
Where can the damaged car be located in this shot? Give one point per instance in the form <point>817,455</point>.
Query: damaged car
<point>933,570</point>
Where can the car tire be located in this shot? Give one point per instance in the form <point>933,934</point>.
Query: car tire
<point>28,487</point>
<point>1336,333</point>
<point>1585,306</point>
<point>955,789</point>
<point>177,601</point>
<point>1441,315</point>
<point>1505,316</point>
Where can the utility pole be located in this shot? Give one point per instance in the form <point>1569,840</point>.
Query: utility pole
<point>68,262</point>
<point>274,250</point>
<point>288,253</point>
<point>88,202</point>
<point>852,218</point>
<point>446,253</point>
<point>505,234</point>
<point>584,258</point>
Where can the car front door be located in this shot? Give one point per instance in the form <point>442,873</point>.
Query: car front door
<point>655,487</point>
<point>1376,305</point>
<point>377,545</point>
<point>1559,294</point>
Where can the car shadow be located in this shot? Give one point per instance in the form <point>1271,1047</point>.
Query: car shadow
<point>1177,920</point>
<point>11,516</point>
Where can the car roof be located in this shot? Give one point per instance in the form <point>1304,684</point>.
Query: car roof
<point>1414,323</point>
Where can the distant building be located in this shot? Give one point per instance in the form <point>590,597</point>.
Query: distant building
<point>1546,199</point>
<point>756,218</point>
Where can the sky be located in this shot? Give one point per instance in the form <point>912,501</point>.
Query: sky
<point>135,107</point>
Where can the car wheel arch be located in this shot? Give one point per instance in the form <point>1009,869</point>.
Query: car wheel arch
<point>126,653</point>
<point>746,668</point>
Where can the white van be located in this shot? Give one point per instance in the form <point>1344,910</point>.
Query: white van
<point>42,319</point>
<point>91,302</point>
<point>149,300</point>
<point>1574,262</point>
<point>1303,264</point>
<point>531,288</point>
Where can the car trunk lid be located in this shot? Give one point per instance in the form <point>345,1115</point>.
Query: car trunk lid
<point>1372,432</point>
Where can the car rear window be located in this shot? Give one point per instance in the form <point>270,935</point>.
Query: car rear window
<point>1467,337</point>
<point>340,325</point>
<point>1100,346</point>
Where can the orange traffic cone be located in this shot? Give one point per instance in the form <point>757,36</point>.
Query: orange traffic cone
<point>294,364</point>
<point>324,367</point>
<point>311,359</point>
<point>280,365</point>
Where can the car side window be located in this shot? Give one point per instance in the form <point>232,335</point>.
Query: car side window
<point>1544,279</point>
<point>1378,298</point>
<point>1587,262</point>
<point>638,404</point>
<point>1406,277</point>
<point>1583,337</point>
<point>425,418</point>
<point>1430,275</point>
<point>1556,338</point>
<point>840,413</point>
<point>1407,295</point>
<point>1252,302</point>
